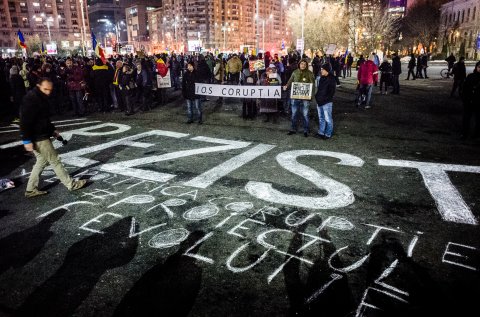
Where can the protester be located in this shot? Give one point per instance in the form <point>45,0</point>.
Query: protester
<point>305,76</point>
<point>75,81</point>
<point>36,130</point>
<point>411,67</point>
<point>385,75</point>
<point>396,71</point>
<point>459,72</point>
<point>190,78</point>
<point>471,105</point>
<point>367,76</point>
<point>269,107</point>
<point>324,99</point>
<point>17,90</point>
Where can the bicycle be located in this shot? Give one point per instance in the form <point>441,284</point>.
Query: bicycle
<point>444,73</point>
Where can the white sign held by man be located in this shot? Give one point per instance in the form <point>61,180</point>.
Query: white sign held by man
<point>301,91</point>
<point>164,82</point>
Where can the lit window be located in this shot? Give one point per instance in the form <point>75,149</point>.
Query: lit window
<point>36,4</point>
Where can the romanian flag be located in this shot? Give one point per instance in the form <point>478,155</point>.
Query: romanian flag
<point>98,50</point>
<point>21,39</point>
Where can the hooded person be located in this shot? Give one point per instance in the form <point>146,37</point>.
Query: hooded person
<point>302,82</point>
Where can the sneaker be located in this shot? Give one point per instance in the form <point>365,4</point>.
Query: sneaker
<point>189,121</point>
<point>78,184</point>
<point>368,107</point>
<point>291,132</point>
<point>305,134</point>
<point>319,136</point>
<point>200,122</point>
<point>36,192</point>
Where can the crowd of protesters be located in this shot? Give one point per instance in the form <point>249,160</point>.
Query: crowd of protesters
<point>128,83</point>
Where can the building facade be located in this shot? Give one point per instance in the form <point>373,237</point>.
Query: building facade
<point>58,21</point>
<point>459,31</point>
<point>223,25</point>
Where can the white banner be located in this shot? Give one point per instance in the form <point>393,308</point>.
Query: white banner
<point>236,91</point>
<point>164,82</point>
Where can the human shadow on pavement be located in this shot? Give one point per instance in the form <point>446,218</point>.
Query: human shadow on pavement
<point>323,293</point>
<point>85,262</point>
<point>169,288</point>
<point>398,286</point>
<point>19,248</point>
<point>4,213</point>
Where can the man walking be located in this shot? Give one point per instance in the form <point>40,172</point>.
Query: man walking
<point>36,130</point>
<point>367,75</point>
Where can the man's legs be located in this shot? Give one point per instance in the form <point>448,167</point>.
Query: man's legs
<point>293,127</point>
<point>369,95</point>
<point>306,105</point>
<point>327,114</point>
<point>190,110</point>
<point>321,121</point>
<point>46,154</point>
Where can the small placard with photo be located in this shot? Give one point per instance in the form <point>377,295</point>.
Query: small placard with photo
<point>301,91</point>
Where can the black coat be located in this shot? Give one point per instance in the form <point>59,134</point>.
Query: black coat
<point>188,84</point>
<point>18,88</point>
<point>396,66</point>
<point>35,124</point>
<point>471,90</point>
<point>326,90</point>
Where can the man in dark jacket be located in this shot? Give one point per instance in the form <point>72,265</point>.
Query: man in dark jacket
<point>188,91</point>
<point>470,98</point>
<point>411,67</point>
<point>102,76</point>
<point>324,98</point>
<point>459,72</point>
<point>396,71</point>
<point>36,130</point>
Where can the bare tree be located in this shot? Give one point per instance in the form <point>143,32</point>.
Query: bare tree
<point>324,23</point>
<point>378,28</point>
<point>421,23</point>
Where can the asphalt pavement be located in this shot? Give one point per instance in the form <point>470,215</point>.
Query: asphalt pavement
<point>236,218</point>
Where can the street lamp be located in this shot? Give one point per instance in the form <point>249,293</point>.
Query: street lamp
<point>224,30</point>
<point>47,20</point>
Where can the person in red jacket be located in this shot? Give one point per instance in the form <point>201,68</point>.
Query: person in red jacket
<point>367,76</point>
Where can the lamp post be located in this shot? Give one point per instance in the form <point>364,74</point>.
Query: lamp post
<point>303,2</point>
<point>47,20</point>
<point>84,36</point>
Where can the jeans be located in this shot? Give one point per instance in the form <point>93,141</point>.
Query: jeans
<point>76,98</point>
<point>190,104</point>
<point>325,125</point>
<point>303,106</point>
<point>367,89</point>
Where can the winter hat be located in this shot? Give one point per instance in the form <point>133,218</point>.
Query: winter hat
<point>327,67</point>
